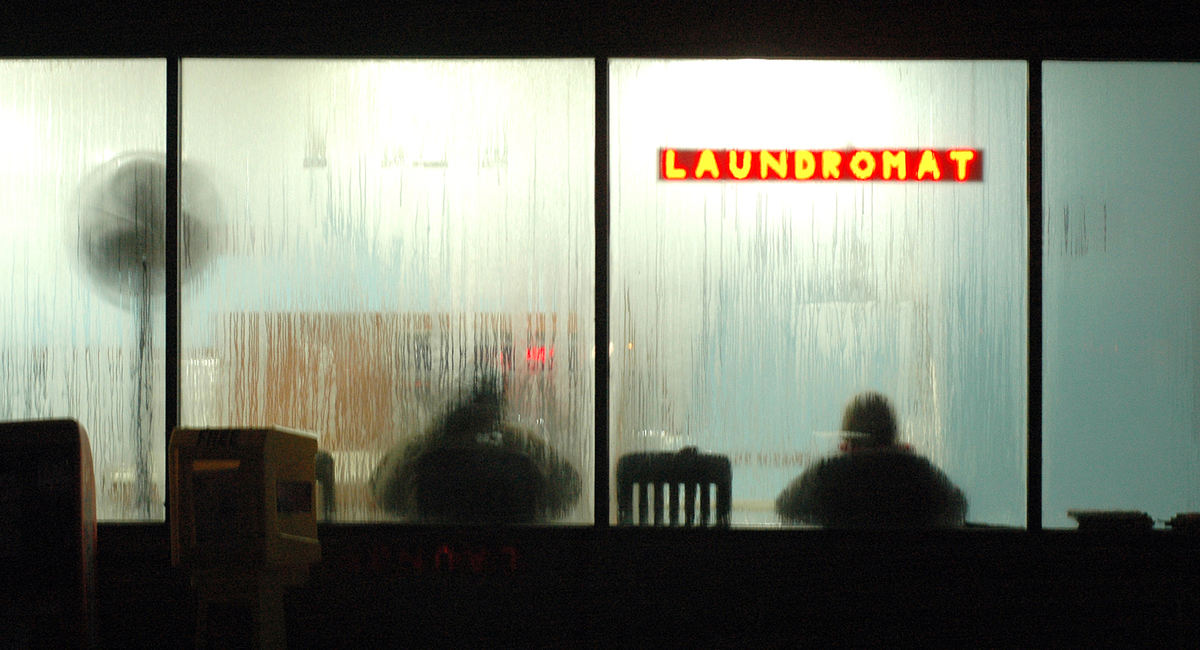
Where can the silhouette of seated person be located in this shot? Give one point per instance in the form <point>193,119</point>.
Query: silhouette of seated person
<point>471,466</point>
<point>874,482</point>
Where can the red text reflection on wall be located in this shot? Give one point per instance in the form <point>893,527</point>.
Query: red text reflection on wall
<point>820,165</point>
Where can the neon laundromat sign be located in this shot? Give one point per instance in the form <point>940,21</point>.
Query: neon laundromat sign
<point>820,165</point>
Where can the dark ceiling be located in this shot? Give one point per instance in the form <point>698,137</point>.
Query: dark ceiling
<point>609,28</point>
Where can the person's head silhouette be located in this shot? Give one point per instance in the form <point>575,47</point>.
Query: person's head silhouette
<point>868,422</point>
<point>878,483</point>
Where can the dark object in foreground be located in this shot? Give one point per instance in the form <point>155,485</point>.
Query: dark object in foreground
<point>1185,522</point>
<point>47,535</point>
<point>1126,521</point>
<point>884,488</point>
<point>876,482</point>
<point>667,472</point>
<point>471,467</point>
<point>325,481</point>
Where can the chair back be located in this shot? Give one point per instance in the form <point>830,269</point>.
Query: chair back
<point>661,477</point>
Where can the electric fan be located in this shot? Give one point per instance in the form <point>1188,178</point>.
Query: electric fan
<point>122,249</point>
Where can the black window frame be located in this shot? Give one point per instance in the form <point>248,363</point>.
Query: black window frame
<point>601,30</point>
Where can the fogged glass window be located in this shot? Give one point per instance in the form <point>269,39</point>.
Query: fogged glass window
<point>746,314</point>
<point>81,248</point>
<point>404,254</point>
<point>1121,288</point>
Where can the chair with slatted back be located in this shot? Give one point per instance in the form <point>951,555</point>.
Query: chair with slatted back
<point>687,471</point>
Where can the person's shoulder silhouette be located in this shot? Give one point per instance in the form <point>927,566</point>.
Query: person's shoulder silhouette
<point>874,482</point>
<point>471,466</point>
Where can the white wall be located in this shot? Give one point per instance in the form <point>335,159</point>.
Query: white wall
<point>746,315</point>
<point>426,187</point>
<point>1121,416</point>
<point>68,350</point>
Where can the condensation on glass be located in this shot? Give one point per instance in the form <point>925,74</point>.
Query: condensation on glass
<point>745,315</point>
<point>390,232</point>
<point>1121,414</point>
<point>82,250</point>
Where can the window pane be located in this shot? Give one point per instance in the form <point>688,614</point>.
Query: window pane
<point>81,192</point>
<point>391,232</point>
<point>745,315</point>
<point>1122,288</point>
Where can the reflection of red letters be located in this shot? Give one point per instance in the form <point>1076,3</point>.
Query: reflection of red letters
<point>413,561</point>
<point>477,559</point>
<point>512,557</point>
<point>380,557</point>
<point>446,556</point>
<point>443,558</point>
<point>862,164</point>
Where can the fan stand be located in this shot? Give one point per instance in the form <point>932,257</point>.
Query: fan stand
<point>143,399</point>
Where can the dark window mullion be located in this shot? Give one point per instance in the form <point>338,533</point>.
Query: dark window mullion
<point>602,267</point>
<point>602,236</point>
<point>171,344</point>
<point>1033,473</point>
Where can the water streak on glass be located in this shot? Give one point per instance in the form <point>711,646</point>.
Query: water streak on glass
<point>745,315</point>
<point>391,231</point>
<point>1121,415</point>
<point>81,251</point>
